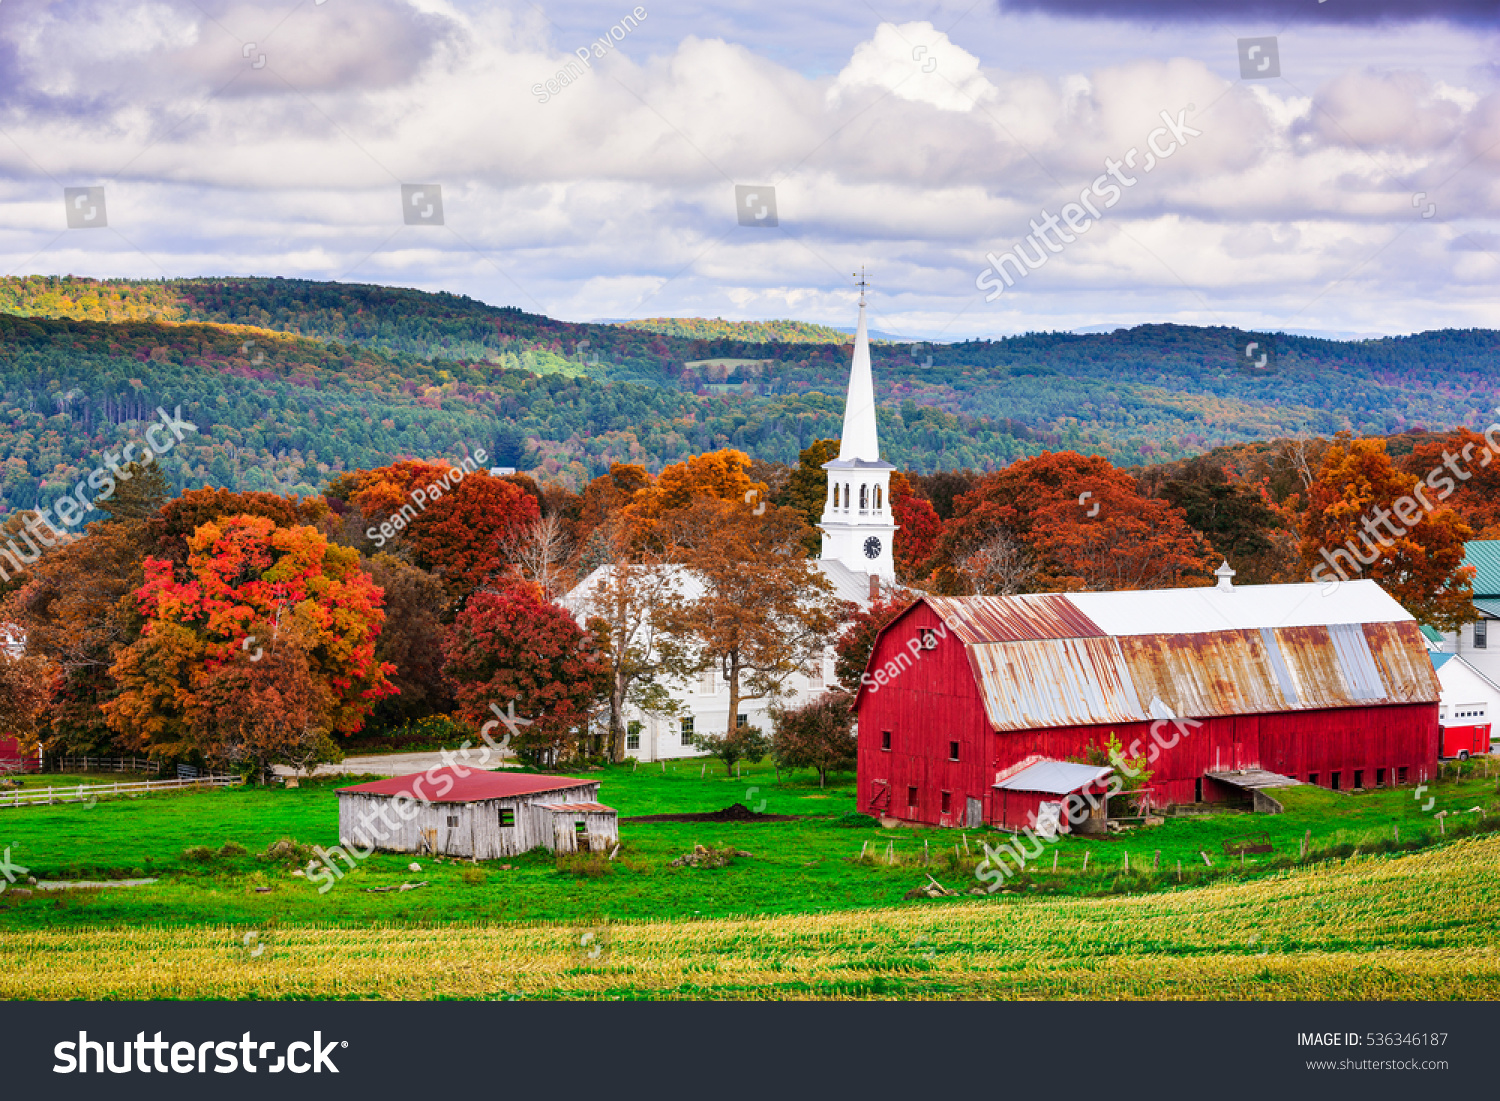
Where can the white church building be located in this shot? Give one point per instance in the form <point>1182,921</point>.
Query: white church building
<point>858,532</point>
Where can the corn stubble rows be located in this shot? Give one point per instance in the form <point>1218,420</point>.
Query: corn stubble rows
<point>1422,926</point>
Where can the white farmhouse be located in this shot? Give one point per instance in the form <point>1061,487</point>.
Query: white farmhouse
<point>858,531</point>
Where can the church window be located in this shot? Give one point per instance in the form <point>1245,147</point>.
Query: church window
<point>878,497</point>
<point>846,495</point>
<point>864,498</point>
<point>835,495</point>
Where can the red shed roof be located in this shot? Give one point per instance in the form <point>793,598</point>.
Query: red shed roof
<point>470,788</point>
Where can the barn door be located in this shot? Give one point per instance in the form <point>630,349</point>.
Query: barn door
<point>974,813</point>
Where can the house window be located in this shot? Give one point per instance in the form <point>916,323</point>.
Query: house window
<point>952,751</point>
<point>911,798</point>
<point>1401,775</point>
<point>706,684</point>
<point>1380,777</point>
<point>507,817</point>
<point>1481,634</point>
<point>885,739</point>
<point>1333,781</point>
<point>452,821</point>
<point>687,730</point>
<point>1359,779</point>
<point>947,801</point>
<point>742,720</point>
<point>633,736</point>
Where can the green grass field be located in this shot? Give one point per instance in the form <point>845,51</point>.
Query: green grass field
<point>804,871</point>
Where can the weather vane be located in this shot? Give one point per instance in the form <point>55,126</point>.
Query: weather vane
<point>862,284</point>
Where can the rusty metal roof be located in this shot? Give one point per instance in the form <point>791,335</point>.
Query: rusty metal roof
<point>447,784</point>
<point>1039,664</point>
<point>577,808</point>
<point>976,619</point>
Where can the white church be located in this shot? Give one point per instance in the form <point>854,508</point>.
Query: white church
<point>858,532</point>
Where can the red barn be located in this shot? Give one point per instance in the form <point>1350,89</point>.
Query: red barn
<point>1332,686</point>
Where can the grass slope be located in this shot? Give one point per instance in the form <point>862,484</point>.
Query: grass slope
<point>1414,927</point>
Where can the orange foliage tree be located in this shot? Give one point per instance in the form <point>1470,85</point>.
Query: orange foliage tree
<point>251,591</point>
<point>1083,524</point>
<point>1366,518</point>
<point>1462,471</point>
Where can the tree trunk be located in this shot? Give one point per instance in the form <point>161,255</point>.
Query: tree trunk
<point>617,717</point>
<point>732,677</point>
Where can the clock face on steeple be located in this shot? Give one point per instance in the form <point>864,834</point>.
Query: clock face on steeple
<point>872,547</point>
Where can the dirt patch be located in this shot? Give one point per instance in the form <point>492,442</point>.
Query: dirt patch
<point>735,812</point>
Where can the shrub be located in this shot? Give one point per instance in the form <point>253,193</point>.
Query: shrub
<point>287,851</point>
<point>585,865</point>
<point>474,877</point>
<point>232,848</point>
<point>199,854</point>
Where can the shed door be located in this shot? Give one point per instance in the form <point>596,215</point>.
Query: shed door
<point>974,813</point>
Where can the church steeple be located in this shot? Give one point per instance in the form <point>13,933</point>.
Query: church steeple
<point>861,439</point>
<point>858,529</point>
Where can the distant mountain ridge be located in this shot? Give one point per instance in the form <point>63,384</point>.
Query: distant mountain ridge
<point>292,379</point>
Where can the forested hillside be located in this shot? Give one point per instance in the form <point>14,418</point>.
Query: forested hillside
<point>290,380</point>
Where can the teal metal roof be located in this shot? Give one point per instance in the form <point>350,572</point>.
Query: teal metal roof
<point>1432,633</point>
<point>1440,660</point>
<point>1484,556</point>
<point>1489,607</point>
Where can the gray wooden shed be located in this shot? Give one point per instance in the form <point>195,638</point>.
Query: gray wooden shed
<point>484,815</point>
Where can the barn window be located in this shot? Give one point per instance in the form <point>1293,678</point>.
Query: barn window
<point>687,731</point>
<point>885,739</point>
<point>581,828</point>
<point>947,801</point>
<point>911,798</point>
<point>929,638</point>
<point>452,821</point>
<point>1401,775</point>
<point>1481,634</point>
<point>1359,779</point>
<point>1380,777</point>
<point>952,751</point>
<point>507,817</point>
<point>1312,778</point>
<point>1333,781</point>
<point>1198,790</point>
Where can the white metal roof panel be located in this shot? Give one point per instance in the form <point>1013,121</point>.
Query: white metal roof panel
<point>1054,777</point>
<point>1243,608</point>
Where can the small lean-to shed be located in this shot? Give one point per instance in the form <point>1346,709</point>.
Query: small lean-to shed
<point>483,815</point>
<point>1034,793</point>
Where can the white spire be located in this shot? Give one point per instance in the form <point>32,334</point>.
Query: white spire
<point>860,439</point>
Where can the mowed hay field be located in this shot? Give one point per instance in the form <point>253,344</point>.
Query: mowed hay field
<point>1419,926</point>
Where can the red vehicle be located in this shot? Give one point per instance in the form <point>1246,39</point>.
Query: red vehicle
<point>1465,732</point>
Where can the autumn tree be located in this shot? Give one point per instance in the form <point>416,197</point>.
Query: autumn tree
<point>857,639</point>
<point>411,641</point>
<point>1366,518</point>
<point>918,529</point>
<point>1239,521</point>
<point>716,475</point>
<point>1086,524</point>
<point>77,611</point>
<point>1462,472</point>
<point>511,653</point>
<point>806,489</point>
<point>759,610</point>
<point>817,735</point>
<point>25,689</point>
<point>627,604</point>
<point>249,589</point>
<point>172,525</point>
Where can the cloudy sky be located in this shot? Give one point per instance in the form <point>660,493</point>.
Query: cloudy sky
<point>1340,178</point>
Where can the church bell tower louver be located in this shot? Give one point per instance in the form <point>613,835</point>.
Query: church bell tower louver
<point>857,525</point>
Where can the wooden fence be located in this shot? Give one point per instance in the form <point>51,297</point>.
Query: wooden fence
<point>102,764</point>
<point>83,793</point>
